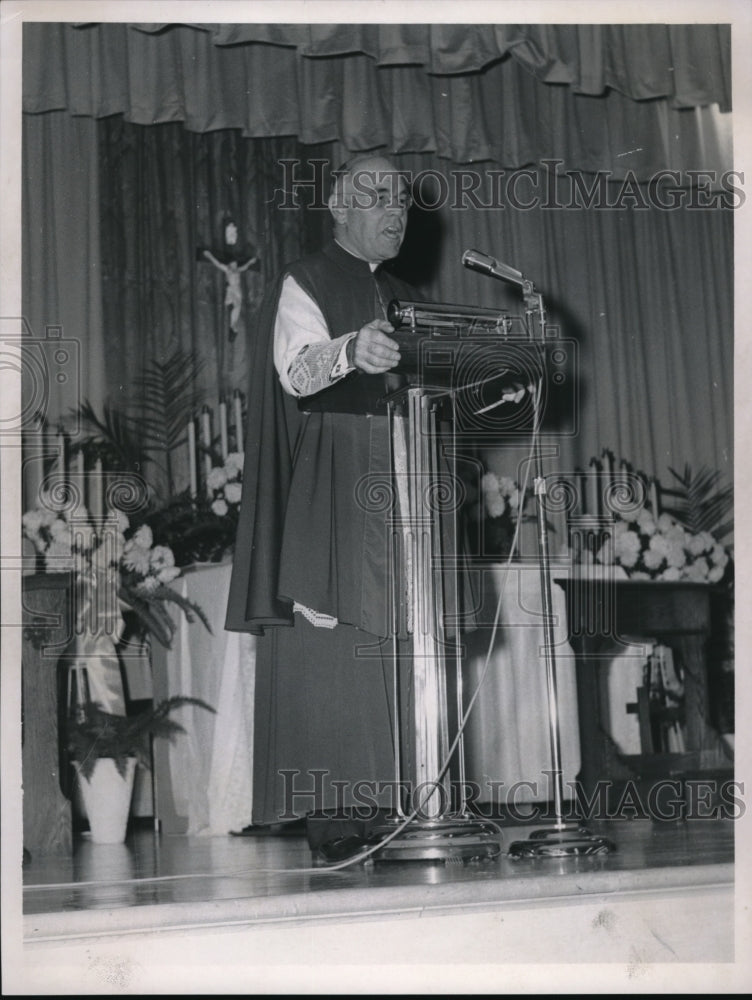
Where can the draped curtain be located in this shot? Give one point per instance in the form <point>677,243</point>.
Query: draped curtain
<point>192,122</point>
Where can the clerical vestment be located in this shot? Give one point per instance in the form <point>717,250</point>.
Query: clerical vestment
<point>313,531</point>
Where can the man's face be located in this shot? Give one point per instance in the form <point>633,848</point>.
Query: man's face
<point>370,210</point>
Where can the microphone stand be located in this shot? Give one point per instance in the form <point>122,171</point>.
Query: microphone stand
<point>562,839</point>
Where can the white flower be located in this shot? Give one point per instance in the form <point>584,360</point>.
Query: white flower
<point>514,499</point>
<point>122,521</point>
<point>495,504</point>
<point>660,545</point>
<point>59,556</point>
<point>646,522</point>
<point>664,522</point>
<point>60,530</point>
<point>32,522</point>
<point>507,486</point>
<point>220,507</point>
<point>676,535</point>
<point>695,545</point>
<point>631,514</point>
<point>676,556</point>
<point>715,574</point>
<point>216,478</point>
<point>161,557</point>
<point>489,483</point>
<point>671,573</point>
<point>698,571</point>
<point>48,517</point>
<point>627,548</point>
<point>144,537</point>
<point>136,558</point>
<point>719,555</point>
<point>604,556</point>
<point>168,573</point>
<point>233,492</point>
<point>234,464</point>
<point>148,583</point>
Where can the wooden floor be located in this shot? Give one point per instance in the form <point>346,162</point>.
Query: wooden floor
<point>665,895</point>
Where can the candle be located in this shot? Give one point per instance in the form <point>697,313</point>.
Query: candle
<point>594,481</point>
<point>206,435</point>
<point>96,491</point>
<point>223,428</point>
<point>580,500</point>
<point>654,497</point>
<point>192,457</point>
<point>60,452</point>
<point>80,476</point>
<point>238,420</point>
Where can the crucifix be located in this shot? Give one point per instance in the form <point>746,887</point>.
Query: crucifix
<point>232,261</point>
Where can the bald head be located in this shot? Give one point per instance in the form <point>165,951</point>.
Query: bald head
<point>369,203</point>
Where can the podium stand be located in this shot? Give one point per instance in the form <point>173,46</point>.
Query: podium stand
<point>428,825</point>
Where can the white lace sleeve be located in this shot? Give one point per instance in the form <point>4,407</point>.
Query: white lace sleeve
<point>306,358</point>
<point>316,366</point>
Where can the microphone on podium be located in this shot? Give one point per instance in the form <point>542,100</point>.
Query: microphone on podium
<point>478,261</point>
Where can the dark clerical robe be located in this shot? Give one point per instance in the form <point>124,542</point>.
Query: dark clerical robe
<point>314,530</point>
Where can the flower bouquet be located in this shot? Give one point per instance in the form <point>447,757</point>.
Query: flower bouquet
<point>649,548</point>
<point>499,512</point>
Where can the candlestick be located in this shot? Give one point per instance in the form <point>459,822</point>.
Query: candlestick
<point>60,456</point>
<point>97,491</point>
<point>192,457</point>
<point>206,432</point>
<point>223,428</point>
<point>238,403</point>
<point>80,477</point>
<point>596,484</point>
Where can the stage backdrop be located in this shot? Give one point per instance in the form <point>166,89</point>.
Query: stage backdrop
<point>141,139</point>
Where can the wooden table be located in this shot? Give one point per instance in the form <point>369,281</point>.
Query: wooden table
<point>605,615</point>
<point>47,621</point>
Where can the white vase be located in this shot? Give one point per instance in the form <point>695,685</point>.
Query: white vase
<point>107,798</point>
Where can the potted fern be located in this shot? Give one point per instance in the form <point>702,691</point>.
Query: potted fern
<point>105,749</point>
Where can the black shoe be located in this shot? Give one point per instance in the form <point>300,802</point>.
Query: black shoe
<point>291,828</point>
<point>345,848</point>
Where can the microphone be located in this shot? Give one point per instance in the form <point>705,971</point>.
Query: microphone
<point>478,261</point>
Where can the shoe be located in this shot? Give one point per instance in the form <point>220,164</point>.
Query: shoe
<point>292,828</point>
<point>344,848</point>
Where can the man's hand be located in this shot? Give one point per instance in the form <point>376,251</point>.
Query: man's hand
<point>374,351</point>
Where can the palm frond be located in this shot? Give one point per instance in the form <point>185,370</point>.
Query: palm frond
<point>170,393</point>
<point>703,504</point>
<point>119,436</point>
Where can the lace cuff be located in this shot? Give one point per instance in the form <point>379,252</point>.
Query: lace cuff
<point>316,366</point>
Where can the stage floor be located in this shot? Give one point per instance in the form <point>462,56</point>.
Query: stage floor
<point>156,880</point>
<point>216,906</point>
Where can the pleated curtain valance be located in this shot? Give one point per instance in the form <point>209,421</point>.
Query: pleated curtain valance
<point>513,94</point>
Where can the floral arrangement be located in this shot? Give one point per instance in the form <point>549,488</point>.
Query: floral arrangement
<point>58,537</point>
<point>649,548</point>
<point>66,541</point>
<point>225,482</point>
<point>500,510</point>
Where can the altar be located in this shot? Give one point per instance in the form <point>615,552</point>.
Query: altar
<point>203,781</point>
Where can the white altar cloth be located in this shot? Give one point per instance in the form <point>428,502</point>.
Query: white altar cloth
<point>205,778</point>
